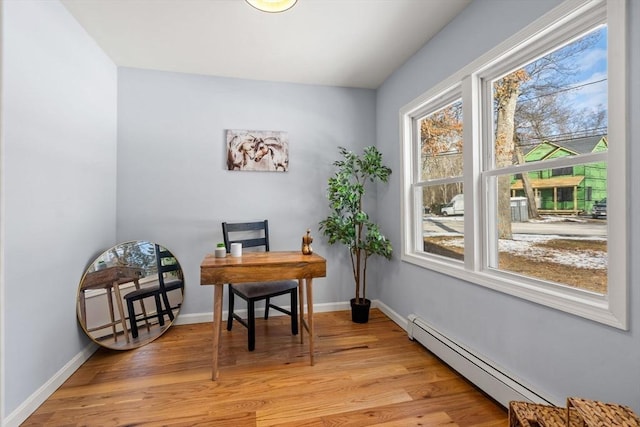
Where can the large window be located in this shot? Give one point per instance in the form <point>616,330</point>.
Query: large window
<point>542,142</point>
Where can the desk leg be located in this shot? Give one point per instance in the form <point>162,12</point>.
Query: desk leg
<point>310,316</point>
<point>301,311</point>
<point>218,290</point>
<point>123,316</point>
<point>112,316</point>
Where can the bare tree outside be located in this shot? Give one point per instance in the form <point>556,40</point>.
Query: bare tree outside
<point>441,152</point>
<point>532,104</point>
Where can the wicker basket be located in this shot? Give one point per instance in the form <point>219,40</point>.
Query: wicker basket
<point>578,413</point>
<point>594,413</point>
<point>524,414</point>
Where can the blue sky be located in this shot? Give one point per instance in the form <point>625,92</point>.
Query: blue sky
<point>586,89</point>
<point>594,68</point>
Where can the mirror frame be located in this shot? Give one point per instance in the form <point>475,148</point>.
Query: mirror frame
<point>124,270</point>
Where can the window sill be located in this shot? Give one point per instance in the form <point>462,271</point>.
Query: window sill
<point>574,301</point>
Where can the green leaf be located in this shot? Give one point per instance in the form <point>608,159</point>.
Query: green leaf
<point>347,223</point>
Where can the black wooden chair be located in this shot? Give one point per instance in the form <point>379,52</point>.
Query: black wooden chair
<point>245,233</point>
<point>167,266</point>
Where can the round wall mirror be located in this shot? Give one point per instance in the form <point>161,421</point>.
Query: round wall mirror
<point>130,295</point>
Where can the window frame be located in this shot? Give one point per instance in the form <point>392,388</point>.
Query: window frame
<point>552,29</point>
<point>444,99</point>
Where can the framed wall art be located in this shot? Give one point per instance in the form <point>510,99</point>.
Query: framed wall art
<point>257,150</point>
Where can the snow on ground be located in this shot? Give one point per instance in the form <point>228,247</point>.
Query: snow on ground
<point>525,245</point>
<point>558,218</point>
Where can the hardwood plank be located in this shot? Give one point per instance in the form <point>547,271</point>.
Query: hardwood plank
<point>404,410</point>
<point>365,375</point>
<point>435,419</point>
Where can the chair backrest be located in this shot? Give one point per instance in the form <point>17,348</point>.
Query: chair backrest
<point>245,233</point>
<point>167,263</point>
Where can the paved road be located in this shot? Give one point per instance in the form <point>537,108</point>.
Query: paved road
<point>561,226</point>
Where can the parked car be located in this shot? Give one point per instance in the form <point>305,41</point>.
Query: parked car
<point>454,207</point>
<point>600,209</point>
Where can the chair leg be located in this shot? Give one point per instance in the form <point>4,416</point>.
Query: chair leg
<point>144,315</point>
<point>266,308</point>
<point>251,324</point>
<point>294,312</point>
<point>167,306</point>
<point>159,311</point>
<point>132,318</point>
<point>230,308</point>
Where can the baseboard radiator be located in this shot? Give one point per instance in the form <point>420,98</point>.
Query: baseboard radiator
<point>488,377</point>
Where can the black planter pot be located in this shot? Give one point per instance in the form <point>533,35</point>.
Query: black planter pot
<point>360,312</point>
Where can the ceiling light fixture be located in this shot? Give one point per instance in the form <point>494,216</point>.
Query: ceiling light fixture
<point>272,6</point>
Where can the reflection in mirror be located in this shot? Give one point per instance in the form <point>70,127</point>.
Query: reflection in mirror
<point>130,295</point>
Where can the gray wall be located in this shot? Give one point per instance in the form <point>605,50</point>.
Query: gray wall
<point>59,205</point>
<point>58,186</point>
<point>559,354</point>
<point>173,185</point>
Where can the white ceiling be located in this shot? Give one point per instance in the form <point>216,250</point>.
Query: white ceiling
<point>352,43</point>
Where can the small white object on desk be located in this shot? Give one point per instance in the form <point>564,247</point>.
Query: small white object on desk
<point>236,249</point>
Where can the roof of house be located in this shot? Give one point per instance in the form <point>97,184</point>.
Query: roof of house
<point>582,145</point>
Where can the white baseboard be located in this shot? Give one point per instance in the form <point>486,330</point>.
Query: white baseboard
<point>399,320</point>
<point>188,319</point>
<point>485,374</point>
<point>32,403</point>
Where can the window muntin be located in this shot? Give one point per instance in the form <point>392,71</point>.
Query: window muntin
<point>568,22</point>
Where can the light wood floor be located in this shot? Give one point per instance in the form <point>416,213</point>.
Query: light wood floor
<point>365,375</point>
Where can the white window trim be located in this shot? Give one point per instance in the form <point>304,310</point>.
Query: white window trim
<point>611,309</point>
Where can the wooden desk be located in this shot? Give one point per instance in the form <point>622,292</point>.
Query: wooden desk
<point>262,267</point>
<point>109,278</point>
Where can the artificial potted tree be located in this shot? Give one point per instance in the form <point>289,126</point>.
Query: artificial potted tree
<point>350,225</point>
